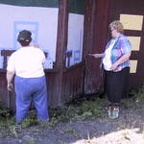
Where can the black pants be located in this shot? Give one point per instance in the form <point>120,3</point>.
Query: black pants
<point>116,84</point>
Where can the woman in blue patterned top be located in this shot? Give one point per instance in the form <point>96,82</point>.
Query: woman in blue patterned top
<point>116,64</point>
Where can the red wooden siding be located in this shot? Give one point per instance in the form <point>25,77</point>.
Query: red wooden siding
<point>134,8</point>
<point>95,37</point>
<point>73,82</point>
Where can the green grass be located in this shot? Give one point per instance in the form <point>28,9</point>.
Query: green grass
<point>79,109</point>
<point>137,96</point>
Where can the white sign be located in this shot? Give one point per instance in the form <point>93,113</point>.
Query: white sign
<point>42,22</point>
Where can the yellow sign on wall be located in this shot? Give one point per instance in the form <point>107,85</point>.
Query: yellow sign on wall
<point>135,42</point>
<point>133,68</point>
<point>132,22</point>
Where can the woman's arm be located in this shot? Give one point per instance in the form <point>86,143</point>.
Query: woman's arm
<point>123,59</point>
<point>9,77</point>
<point>97,55</point>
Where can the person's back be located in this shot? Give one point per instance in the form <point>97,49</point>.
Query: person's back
<point>28,62</point>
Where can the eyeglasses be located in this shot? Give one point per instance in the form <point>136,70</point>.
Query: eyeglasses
<point>112,30</point>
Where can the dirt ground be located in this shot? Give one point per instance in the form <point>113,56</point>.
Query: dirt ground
<point>127,129</point>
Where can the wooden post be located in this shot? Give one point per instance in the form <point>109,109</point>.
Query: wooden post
<point>95,37</point>
<point>60,51</point>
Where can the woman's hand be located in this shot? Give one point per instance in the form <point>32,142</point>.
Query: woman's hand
<point>10,87</point>
<point>95,55</point>
<point>123,59</point>
<point>114,66</point>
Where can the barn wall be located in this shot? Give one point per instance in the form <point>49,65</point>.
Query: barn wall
<point>135,12</point>
<point>95,38</point>
<point>73,82</point>
<point>54,76</point>
<point>85,77</point>
<point>72,75</point>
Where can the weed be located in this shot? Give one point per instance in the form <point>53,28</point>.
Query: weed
<point>71,131</point>
<point>78,109</point>
<point>138,94</point>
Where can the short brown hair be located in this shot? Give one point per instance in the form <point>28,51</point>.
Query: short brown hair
<point>117,25</point>
<point>24,37</point>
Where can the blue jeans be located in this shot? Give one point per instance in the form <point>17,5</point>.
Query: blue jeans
<point>30,90</point>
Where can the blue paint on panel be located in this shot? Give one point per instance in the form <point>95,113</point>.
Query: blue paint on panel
<point>76,56</point>
<point>20,25</point>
